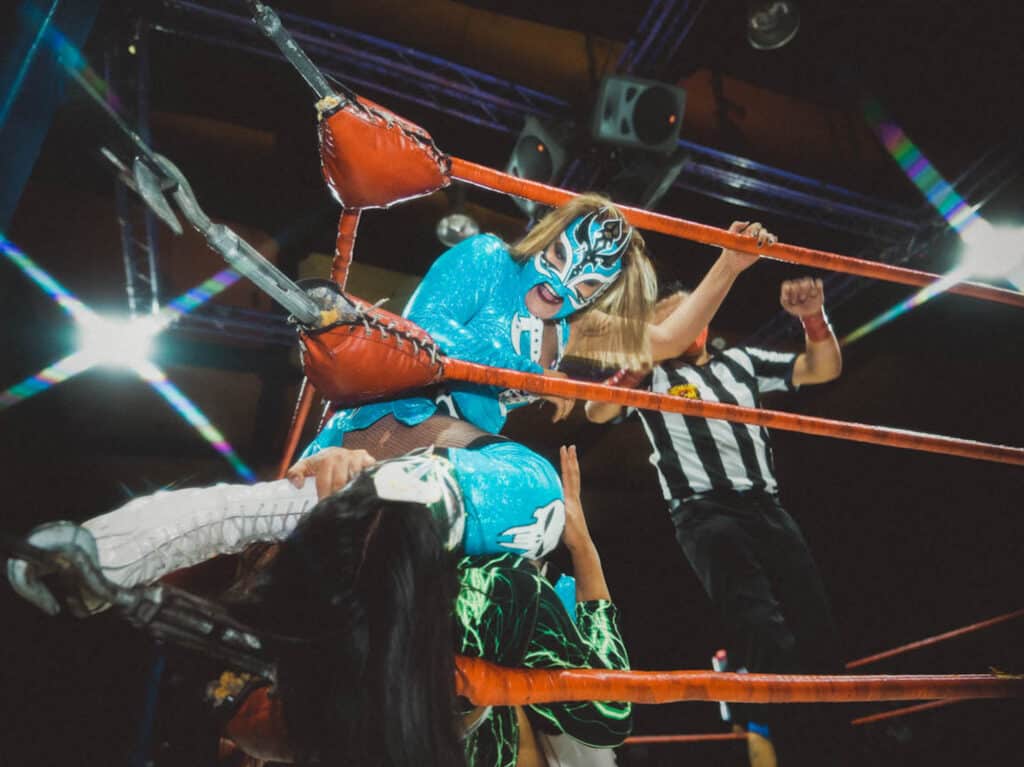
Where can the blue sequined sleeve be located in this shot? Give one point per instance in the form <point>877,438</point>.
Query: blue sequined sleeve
<point>461,284</point>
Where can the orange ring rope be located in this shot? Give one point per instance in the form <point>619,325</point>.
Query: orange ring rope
<point>344,246</point>
<point>487,684</point>
<point>299,417</point>
<point>348,225</point>
<point>870,718</point>
<point>460,370</point>
<point>928,641</point>
<point>497,181</point>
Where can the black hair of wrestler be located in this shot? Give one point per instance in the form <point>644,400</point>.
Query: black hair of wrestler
<point>369,588</point>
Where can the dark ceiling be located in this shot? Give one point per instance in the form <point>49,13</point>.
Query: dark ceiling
<point>909,544</point>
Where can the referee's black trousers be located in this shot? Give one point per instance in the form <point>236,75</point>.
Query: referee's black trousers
<point>755,566</point>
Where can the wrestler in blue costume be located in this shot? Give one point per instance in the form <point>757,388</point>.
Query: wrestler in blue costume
<point>513,500</point>
<point>472,301</point>
<point>499,498</point>
<point>462,487</point>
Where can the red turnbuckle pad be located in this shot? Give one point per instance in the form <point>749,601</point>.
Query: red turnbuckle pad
<point>371,158</point>
<point>371,355</point>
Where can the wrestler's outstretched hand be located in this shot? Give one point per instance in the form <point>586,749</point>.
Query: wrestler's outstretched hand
<point>576,534</point>
<point>586,563</point>
<point>332,468</point>
<point>753,229</point>
<point>802,297</point>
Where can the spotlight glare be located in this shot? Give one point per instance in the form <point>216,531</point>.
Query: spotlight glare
<point>124,342</point>
<point>118,341</point>
<point>993,252</point>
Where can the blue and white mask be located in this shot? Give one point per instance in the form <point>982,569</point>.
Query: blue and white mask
<point>425,478</point>
<point>593,251</point>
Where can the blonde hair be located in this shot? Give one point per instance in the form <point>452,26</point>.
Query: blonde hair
<point>613,330</point>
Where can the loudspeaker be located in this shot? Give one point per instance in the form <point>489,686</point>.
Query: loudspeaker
<point>540,154</point>
<point>643,178</point>
<point>643,114</point>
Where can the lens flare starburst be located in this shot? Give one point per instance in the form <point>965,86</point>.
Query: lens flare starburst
<point>990,252</point>
<point>123,342</point>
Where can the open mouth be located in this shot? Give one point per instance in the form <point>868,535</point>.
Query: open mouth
<point>548,296</point>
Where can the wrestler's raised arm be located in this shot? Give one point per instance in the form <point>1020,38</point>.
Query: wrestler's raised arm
<point>673,335</point>
<point>679,325</point>
<point>586,562</point>
<point>822,359</point>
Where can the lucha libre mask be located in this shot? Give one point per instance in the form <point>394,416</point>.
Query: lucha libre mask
<point>428,479</point>
<point>593,250</point>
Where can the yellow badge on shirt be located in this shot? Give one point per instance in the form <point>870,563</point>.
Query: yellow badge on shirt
<point>689,391</point>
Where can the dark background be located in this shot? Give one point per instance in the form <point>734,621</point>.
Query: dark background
<point>909,544</point>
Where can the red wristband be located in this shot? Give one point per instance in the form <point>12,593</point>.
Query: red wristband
<point>816,326</point>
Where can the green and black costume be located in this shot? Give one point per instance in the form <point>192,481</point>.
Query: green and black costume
<point>509,614</point>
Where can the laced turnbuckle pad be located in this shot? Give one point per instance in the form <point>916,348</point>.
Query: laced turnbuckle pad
<point>367,353</point>
<point>371,158</point>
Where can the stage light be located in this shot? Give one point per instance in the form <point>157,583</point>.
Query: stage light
<point>989,252</point>
<point>118,341</point>
<point>124,342</point>
<point>993,252</point>
<point>772,23</point>
<point>456,225</point>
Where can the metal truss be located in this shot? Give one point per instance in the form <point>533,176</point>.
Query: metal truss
<point>221,322</point>
<point>369,62</point>
<point>396,70</point>
<point>130,79</point>
<point>660,35</point>
<point>740,181</point>
<point>898,234</point>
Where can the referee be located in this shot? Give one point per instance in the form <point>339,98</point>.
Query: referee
<point>748,553</point>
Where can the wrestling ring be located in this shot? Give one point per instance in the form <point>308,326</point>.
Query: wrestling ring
<point>372,158</point>
<point>369,185</point>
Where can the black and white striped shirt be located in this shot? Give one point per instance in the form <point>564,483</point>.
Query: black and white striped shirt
<point>694,455</point>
